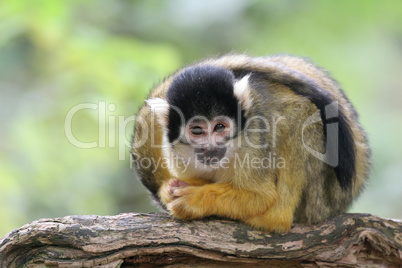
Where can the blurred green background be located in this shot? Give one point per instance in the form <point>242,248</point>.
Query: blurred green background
<point>105,55</point>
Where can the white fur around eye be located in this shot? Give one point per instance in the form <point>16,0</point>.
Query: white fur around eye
<point>161,108</point>
<point>242,92</point>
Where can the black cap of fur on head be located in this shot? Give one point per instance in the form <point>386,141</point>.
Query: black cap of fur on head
<point>202,91</point>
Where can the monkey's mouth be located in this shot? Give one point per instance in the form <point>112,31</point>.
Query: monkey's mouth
<point>211,156</point>
<point>207,160</point>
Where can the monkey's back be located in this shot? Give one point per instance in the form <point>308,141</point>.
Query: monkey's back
<point>322,196</point>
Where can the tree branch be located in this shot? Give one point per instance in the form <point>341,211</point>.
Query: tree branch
<point>131,239</point>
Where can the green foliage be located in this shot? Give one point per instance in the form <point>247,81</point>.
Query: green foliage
<point>55,55</point>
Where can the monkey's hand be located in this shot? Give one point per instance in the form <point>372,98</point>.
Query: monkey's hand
<point>183,198</point>
<point>169,190</point>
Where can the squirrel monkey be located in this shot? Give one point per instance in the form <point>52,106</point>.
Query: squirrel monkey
<point>268,141</point>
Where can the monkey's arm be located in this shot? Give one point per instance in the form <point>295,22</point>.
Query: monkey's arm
<point>226,200</point>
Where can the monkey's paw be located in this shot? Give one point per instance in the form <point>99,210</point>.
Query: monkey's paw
<point>186,201</point>
<point>167,190</point>
<point>174,185</point>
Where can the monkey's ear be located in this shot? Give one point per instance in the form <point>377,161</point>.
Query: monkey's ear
<point>161,108</point>
<point>242,93</point>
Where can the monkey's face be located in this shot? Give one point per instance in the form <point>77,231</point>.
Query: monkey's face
<point>208,140</point>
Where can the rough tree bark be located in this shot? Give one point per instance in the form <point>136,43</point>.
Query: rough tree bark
<point>349,240</point>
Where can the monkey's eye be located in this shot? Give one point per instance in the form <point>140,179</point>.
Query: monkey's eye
<point>197,131</point>
<point>219,128</point>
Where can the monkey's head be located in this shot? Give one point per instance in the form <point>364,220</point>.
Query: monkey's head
<point>203,112</point>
